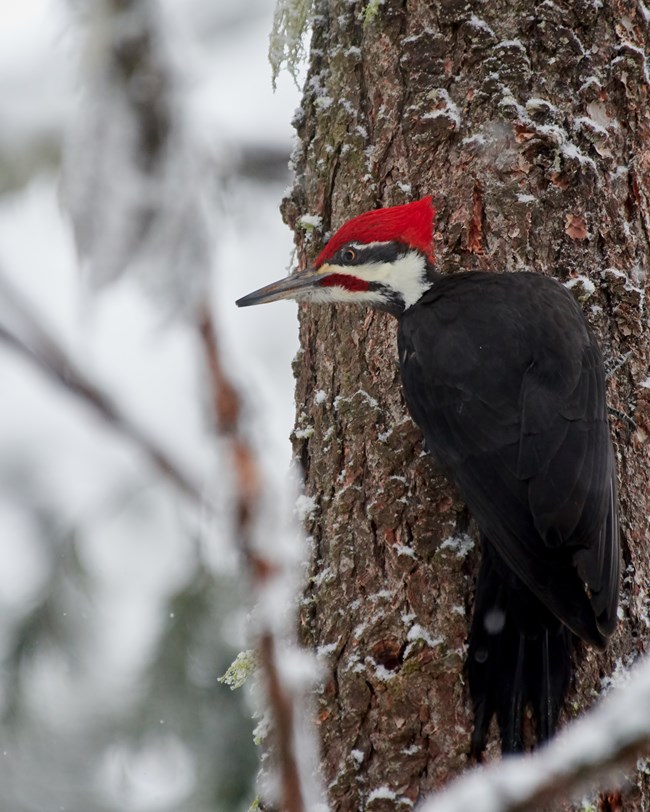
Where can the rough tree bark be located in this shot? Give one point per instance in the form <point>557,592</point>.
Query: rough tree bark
<point>529,125</point>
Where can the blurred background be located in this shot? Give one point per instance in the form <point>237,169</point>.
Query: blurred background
<point>143,156</point>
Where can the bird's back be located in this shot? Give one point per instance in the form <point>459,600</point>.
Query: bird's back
<point>505,379</point>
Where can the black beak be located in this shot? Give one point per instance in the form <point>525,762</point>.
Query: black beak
<point>287,288</point>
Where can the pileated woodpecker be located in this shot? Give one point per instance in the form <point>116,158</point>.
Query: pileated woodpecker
<point>506,381</point>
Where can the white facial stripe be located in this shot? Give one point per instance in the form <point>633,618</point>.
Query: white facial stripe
<point>406,277</point>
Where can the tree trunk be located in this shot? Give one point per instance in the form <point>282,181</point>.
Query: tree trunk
<point>529,125</point>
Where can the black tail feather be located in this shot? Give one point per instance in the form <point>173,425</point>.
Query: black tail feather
<point>519,655</point>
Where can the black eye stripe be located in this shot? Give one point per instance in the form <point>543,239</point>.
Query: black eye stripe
<point>360,255</point>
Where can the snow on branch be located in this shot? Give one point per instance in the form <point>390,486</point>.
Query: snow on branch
<point>133,177</point>
<point>22,331</point>
<point>271,557</point>
<point>591,752</point>
<point>135,188</point>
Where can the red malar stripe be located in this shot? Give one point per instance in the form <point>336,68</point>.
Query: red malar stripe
<point>342,280</point>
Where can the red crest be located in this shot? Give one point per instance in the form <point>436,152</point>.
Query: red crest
<point>411,224</point>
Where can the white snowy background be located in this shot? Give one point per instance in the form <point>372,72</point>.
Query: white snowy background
<point>120,601</point>
<point>118,609</point>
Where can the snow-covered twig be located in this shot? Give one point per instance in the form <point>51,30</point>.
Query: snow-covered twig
<point>295,765</point>
<point>134,180</point>
<point>136,183</point>
<point>44,352</point>
<point>589,753</point>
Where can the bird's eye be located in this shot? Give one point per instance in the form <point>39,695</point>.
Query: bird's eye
<point>349,255</point>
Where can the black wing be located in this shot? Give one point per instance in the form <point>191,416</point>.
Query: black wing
<point>505,379</point>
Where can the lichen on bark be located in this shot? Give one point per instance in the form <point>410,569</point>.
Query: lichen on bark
<point>290,22</point>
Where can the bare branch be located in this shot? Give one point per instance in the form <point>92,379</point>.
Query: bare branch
<point>227,412</point>
<point>589,753</point>
<point>47,355</point>
<point>134,174</point>
<point>156,223</point>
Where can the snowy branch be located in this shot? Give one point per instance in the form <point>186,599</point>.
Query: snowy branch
<point>45,353</point>
<point>264,569</point>
<point>135,188</point>
<point>590,752</point>
<point>134,182</point>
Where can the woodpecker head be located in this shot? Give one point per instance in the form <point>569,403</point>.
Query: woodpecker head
<point>381,258</point>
